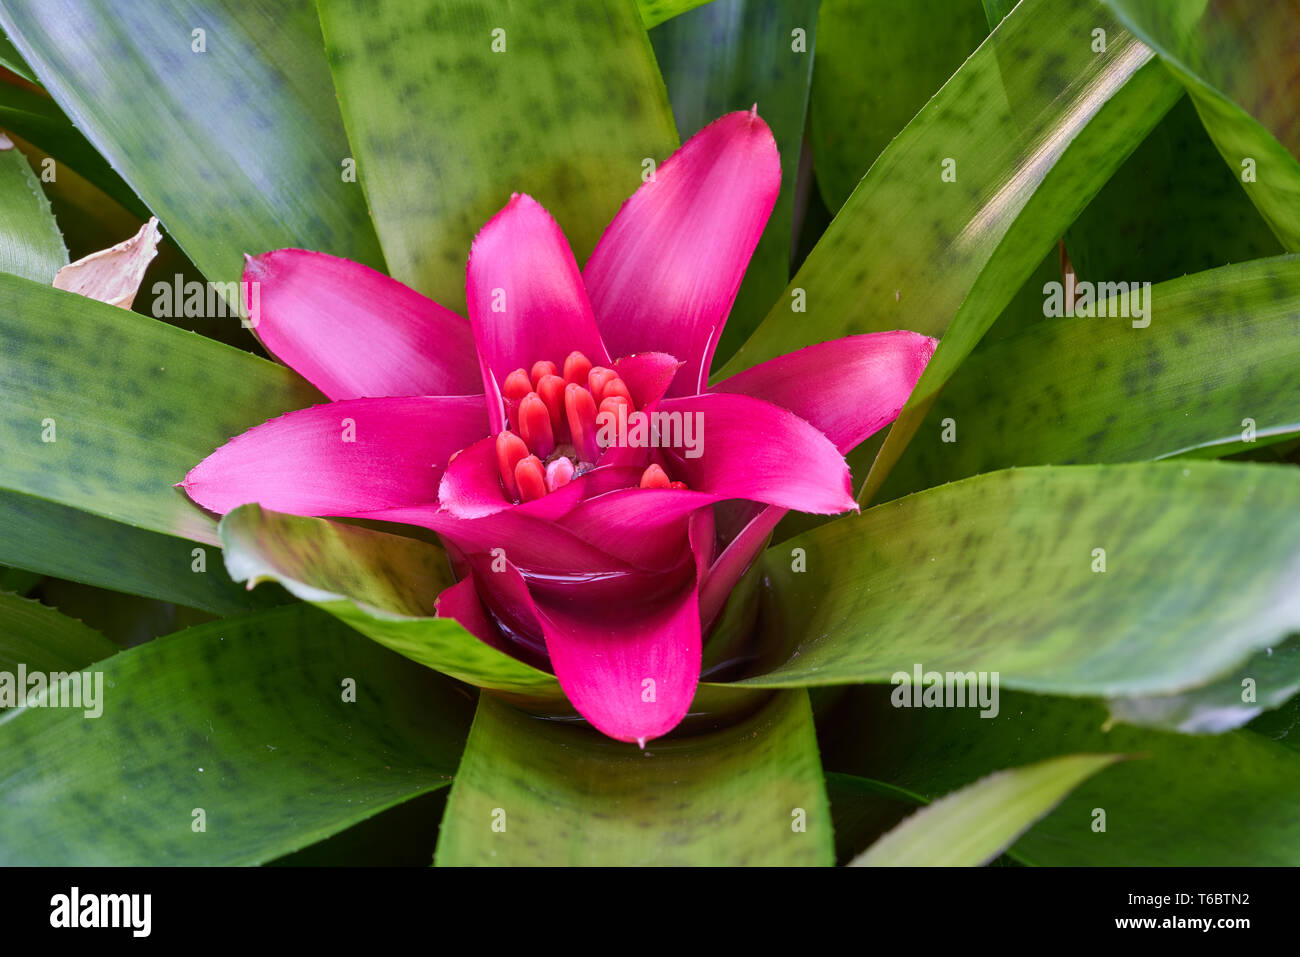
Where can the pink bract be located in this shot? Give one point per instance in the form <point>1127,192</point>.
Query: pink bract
<point>489,432</point>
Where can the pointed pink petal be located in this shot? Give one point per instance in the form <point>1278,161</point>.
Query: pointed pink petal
<point>665,273</point>
<point>630,668</point>
<point>626,649</point>
<point>353,332</point>
<point>341,457</point>
<point>632,675</point>
<point>647,376</point>
<point>846,388</point>
<point>747,448</point>
<point>471,486</point>
<point>463,603</point>
<point>525,295</point>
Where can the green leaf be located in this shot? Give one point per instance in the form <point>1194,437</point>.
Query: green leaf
<point>238,148</point>
<point>1001,573</point>
<point>1173,208</point>
<point>1193,800</point>
<point>105,409</point>
<point>996,10</point>
<point>863,810</point>
<point>561,794</point>
<point>878,63</point>
<point>18,580</point>
<point>245,719</point>
<point>43,640</point>
<point>970,827</point>
<point>1268,680</point>
<point>654,12</point>
<point>1236,65</point>
<point>11,60</point>
<point>1217,356</point>
<point>1281,725</point>
<point>729,55</point>
<point>31,245</point>
<point>385,586</point>
<point>38,119</point>
<point>444,129</point>
<point>1035,123</point>
<point>69,543</point>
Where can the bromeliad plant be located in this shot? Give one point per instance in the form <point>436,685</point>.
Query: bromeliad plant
<point>582,522</point>
<point>546,476</point>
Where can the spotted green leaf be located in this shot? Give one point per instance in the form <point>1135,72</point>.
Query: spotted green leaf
<point>451,107</point>
<point>1125,580</point>
<point>230,743</point>
<point>1209,365</point>
<point>1027,130</point>
<point>220,115</point>
<point>535,792</point>
<point>970,827</point>
<point>1236,59</point>
<point>105,410</point>
<point>385,586</point>
<point>31,245</point>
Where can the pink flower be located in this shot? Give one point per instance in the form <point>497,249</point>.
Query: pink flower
<point>594,553</point>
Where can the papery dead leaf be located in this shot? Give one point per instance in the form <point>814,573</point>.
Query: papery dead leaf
<point>113,275</point>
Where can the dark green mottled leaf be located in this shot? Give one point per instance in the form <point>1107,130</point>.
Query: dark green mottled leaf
<point>1237,60</point>
<point>729,55</point>
<point>69,543</point>
<point>31,245</point>
<point>385,586</point>
<point>238,149</point>
<point>1173,208</point>
<point>1193,800</point>
<point>444,129</point>
<point>245,719</point>
<point>1000,573</point>
<point>878,63</point>
<point>563,794</point>
<point>134,405</point>
<point>1216,359</point>
<point>41,639</point>
<point>971,826</point>
<point>1035,123</point>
